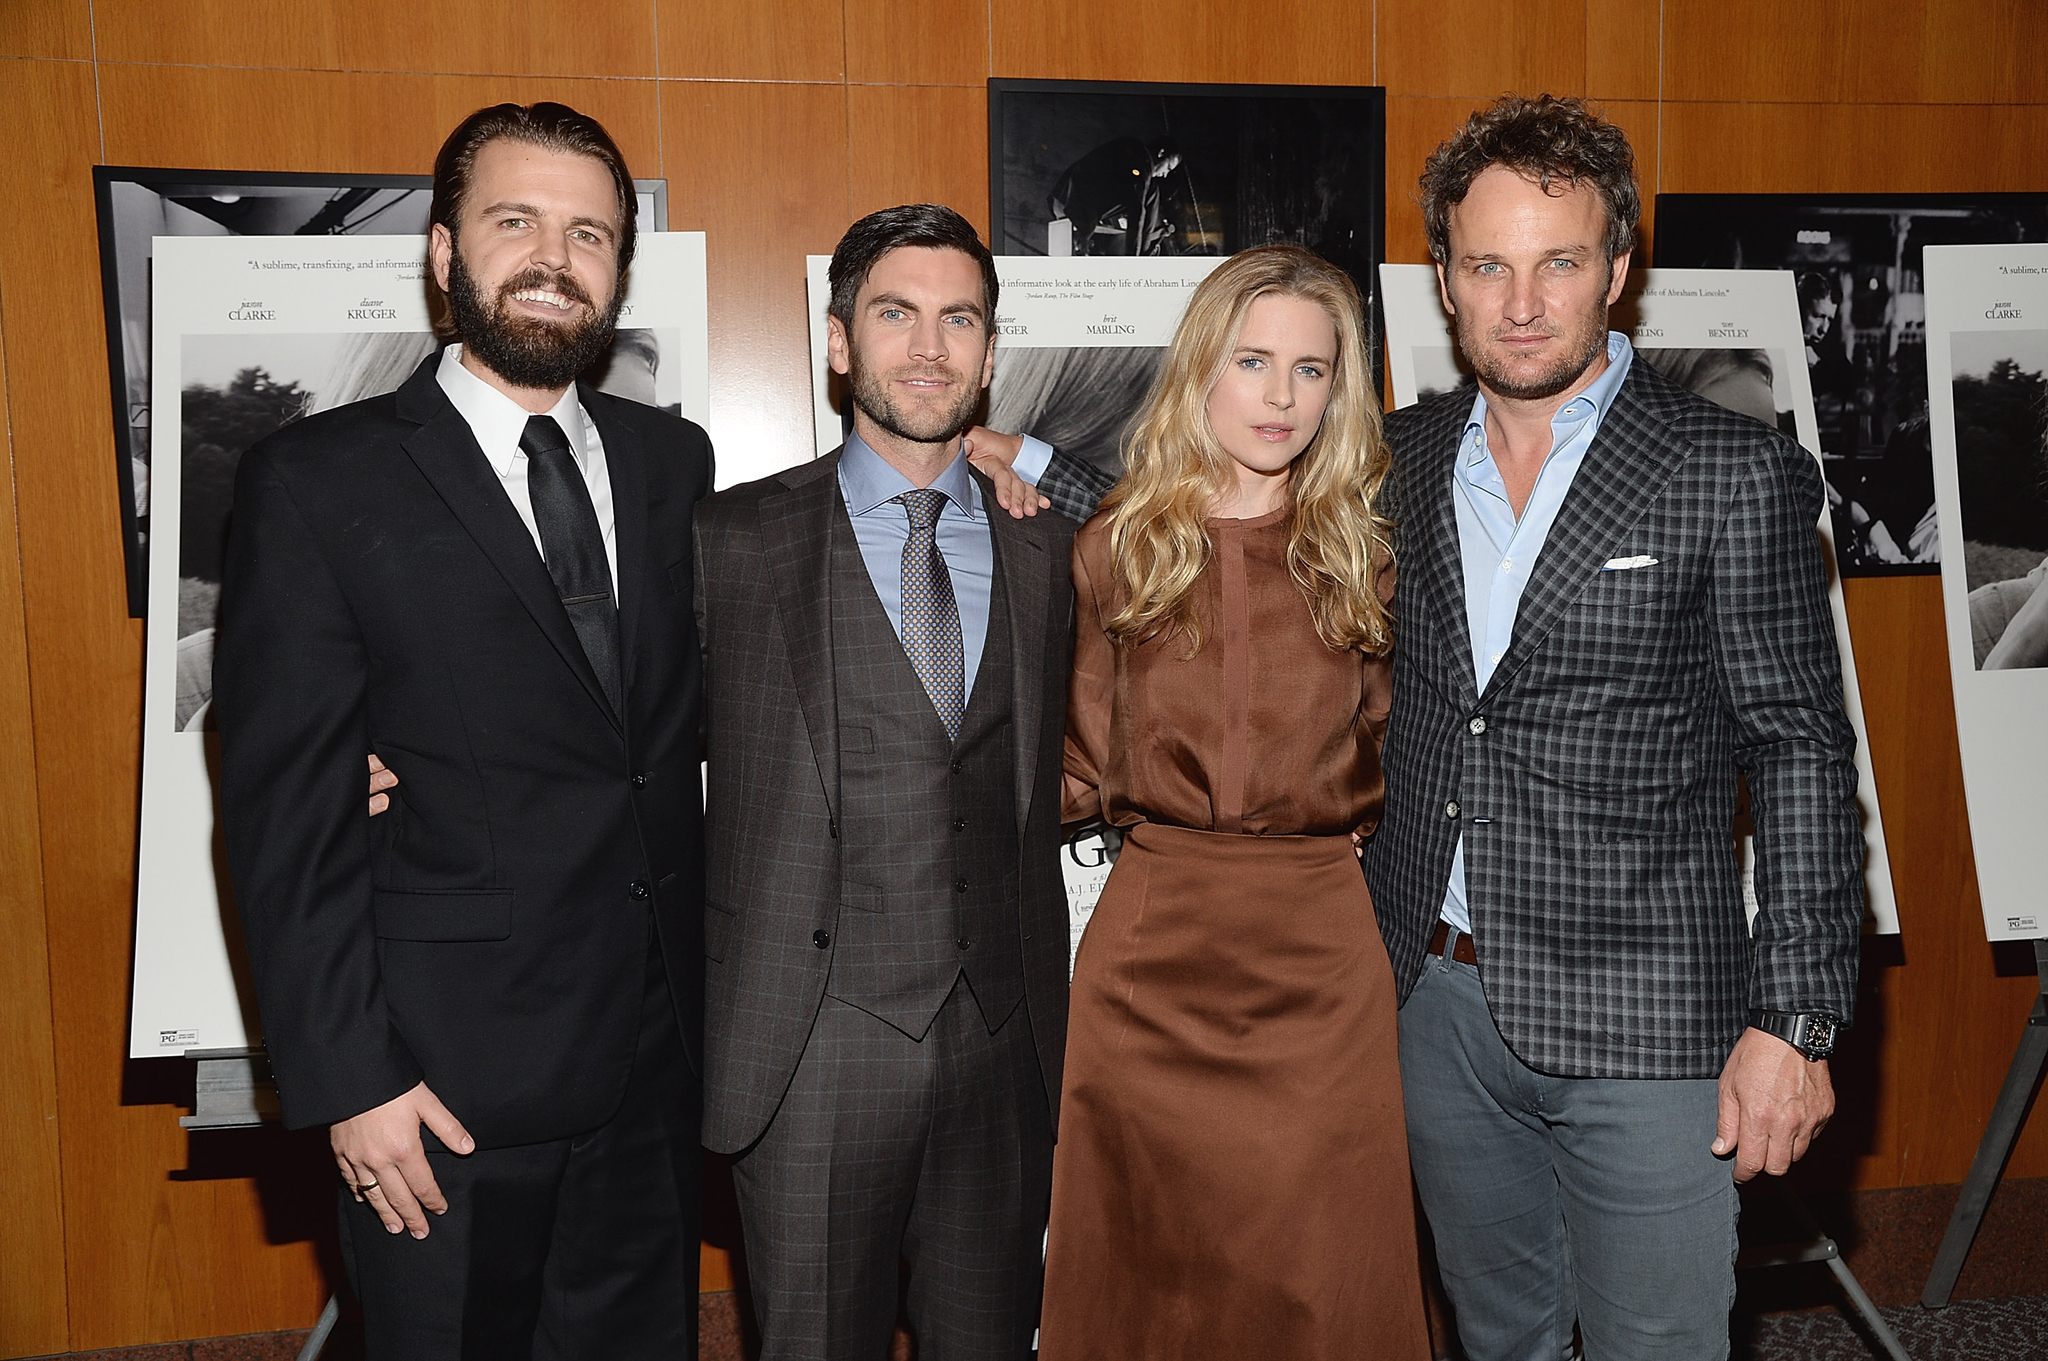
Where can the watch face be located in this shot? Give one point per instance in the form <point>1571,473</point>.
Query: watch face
<point>1820,1036</point>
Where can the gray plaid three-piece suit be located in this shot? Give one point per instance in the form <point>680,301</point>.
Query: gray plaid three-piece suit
<point>1594,779</point>
<point>886,934</point>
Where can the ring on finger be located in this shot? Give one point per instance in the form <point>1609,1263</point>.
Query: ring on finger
<point>367,1186</point>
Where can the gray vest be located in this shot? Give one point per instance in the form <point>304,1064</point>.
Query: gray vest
<point>927,827</point>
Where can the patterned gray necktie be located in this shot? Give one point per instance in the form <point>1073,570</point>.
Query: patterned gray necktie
<point>931,617</point>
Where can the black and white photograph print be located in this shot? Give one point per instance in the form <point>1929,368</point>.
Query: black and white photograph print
<point>2001,426</point>
<point>1857,264</point>
<point>1748,381</point>
<point>236,389</point>
<point>1109,168</point>
<point>1081,401</point>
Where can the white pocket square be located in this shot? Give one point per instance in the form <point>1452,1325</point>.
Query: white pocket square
<point>1628,564</point>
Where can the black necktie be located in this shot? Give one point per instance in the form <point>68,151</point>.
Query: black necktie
<point>573,545</point>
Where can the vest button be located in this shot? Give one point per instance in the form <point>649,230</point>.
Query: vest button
<point>959,885</point>
<point>959,824</point>
<point>638,890</point>
<point>821,939</point>
<point>965,943</point>
<point>956,767</point>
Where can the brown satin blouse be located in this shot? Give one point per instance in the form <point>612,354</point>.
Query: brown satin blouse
<point>1265,731</point>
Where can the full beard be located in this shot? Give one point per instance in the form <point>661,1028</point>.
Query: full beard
<point>919,424</point>
<point>1581,349</point>
<point>526,351</point>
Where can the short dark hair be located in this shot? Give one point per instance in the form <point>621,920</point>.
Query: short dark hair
<point>552,127</point>
<point>913,224</point>
<point>1545,139</point>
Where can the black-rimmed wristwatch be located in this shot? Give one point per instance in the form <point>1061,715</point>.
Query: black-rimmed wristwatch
<point>1811,1033</point>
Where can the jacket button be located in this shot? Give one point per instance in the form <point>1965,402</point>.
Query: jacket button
<point>1476,726</point>
<point>821,939</point>
<point>1451,810</point>
<point>638,889</point>
<point>956,767</point>
<point>639,779</point>
<point>959,885</point>
<point>965,943</point>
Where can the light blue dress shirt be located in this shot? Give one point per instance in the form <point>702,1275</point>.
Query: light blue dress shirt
<point>881,528</point>
<point>1499,550</point>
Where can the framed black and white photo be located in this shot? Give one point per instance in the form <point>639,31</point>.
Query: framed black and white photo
<point>1857,262</point>
<point>138,204</point>
<point>1102,168</point>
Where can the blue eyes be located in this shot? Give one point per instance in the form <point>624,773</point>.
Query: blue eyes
<point>1252,363</point>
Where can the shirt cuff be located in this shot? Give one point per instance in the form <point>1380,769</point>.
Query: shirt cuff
<point>1032,460</point>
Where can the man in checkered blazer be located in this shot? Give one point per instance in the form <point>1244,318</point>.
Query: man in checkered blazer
<point>1612,603</point>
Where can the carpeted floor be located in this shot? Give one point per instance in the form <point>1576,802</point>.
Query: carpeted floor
<point>1968,1330</point>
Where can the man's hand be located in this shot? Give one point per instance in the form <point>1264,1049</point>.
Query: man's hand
<point>993,453</point>
<point>381,779</point>
<point>383,1161</point>
<point>1773,1103</point>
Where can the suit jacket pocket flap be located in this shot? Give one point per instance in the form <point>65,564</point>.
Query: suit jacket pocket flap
<point>443,913</point>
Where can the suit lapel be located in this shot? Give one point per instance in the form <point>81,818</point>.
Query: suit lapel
<point>1427,548</point>
<point>448,456</point>
<point>797,525</point>
<point>1631,460</point>
<point>626,465</point>
<point>1026,569</point>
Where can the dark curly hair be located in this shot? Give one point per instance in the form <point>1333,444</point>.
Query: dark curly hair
<point>1545,139</point>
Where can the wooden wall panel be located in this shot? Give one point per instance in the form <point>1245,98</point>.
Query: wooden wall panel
<point>1857,51</point>
<point>1287,42</point>
<point>776,123</point>
<point>322,120</point>
<point>1853,148</point>
<point>759,40</point>
<point>918,144</point>
<point>511,37</point>
<point>761,169</point>
<point>945,42</point>
<point>46,28</point>
<point>34,1313</point>
<point>1481,48</point>
<point>142,1252</point>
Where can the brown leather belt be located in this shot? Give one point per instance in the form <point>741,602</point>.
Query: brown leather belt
<point>1464,952</point>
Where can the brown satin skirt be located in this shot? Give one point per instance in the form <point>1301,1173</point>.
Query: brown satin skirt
<point>1231,1179</point>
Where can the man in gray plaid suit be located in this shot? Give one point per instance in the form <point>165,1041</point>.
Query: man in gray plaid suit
<point>1612,602</point>
<point>886,926</point>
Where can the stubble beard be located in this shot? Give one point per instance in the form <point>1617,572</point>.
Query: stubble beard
<point>528,352</point>
<point>872,394</point>
<point>1584,346</point>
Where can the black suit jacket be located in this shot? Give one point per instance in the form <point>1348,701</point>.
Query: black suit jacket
<point>488,934</point>
<point>773,882</point>
<point>1593,780</point>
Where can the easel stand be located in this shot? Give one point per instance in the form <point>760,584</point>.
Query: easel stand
<point>1821,1248</point>
<point>233,1089</point>
<point>2007,1117</point>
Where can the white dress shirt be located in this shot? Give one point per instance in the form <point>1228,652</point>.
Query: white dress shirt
<point>497,422</point>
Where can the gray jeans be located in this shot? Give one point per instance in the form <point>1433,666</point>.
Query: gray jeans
<point>1554,1199</point>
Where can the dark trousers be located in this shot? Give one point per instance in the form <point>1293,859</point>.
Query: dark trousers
<point>886,1149</point>
<point>572,1249</point>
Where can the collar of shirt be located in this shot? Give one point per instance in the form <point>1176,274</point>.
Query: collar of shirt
<point>867,481</point>
<point>497,421</point>
<point>1581,416</point>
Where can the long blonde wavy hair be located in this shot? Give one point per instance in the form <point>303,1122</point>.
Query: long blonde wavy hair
<point>1176,470</point>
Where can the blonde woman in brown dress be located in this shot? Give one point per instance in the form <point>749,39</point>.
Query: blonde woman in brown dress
<point>1231,1179</point>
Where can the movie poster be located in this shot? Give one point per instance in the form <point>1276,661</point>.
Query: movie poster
<point>249,334</point>
<point>1987,387</point>
<point>1856,263</point>
<point>1731,336</point>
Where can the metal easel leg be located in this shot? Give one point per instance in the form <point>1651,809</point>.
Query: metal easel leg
<point>1831,1253</point>
<point>322,1330</point>
<point>1996,1146</point>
